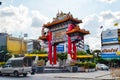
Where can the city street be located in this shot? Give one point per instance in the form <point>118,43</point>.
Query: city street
<point>98,75</point>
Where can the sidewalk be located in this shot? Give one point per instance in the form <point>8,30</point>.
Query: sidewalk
<point>97,75</point>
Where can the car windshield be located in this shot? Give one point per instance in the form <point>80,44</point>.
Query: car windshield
<point>101,65</point>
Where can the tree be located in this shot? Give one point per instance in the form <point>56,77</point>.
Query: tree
<point>81,53</point>
<point>97,52</point>
<point>88,51</point>
<point>4,54</point>
<point>62,56</point>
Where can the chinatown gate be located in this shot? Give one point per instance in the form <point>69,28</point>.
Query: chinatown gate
<point>63,28</point>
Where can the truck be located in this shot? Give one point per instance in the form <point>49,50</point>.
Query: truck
<point>17,66</point>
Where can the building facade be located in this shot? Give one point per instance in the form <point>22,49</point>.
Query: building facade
<point>12,44</point>
<point>3,41</point>
<point>33,45</point>
<point>16,45</point>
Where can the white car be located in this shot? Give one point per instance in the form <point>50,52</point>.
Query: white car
<point>102,67</point>
<point>16,66</point>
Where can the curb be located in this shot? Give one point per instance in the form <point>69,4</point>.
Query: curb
<point>96,78</point>
<point>72,77</point>
<point>100,77</point>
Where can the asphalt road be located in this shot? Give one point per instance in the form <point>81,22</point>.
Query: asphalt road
<point>36,77</point>
<point>97,75</point>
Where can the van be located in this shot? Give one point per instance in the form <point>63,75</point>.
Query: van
<point>17,66</point>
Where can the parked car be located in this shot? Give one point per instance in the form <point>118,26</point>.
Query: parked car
<point>17,66</point>
<point>102,67</point>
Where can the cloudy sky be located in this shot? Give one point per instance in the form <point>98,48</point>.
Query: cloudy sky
<point>27,16</point>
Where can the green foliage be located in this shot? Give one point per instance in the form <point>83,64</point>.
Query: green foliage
<point>114,60</point>
<point>88,51</point>
<point>100,60</point>
<point>2,64</point>
<point>79,64</point>
<point>86,65</point>
<point>81,53</point>
<point>41,62</point>
<point>3,53</point>
<point>92,65</point>
<point>39,52</point>
<point>62,56</point>
<point>97,51</point>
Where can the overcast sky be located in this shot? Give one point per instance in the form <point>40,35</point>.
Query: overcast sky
<point>27,16</point>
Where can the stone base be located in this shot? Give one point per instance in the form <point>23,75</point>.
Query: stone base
<point>52,65</point>
<point>72,68</point>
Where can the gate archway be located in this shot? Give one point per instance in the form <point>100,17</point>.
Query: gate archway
<point>63,28</point>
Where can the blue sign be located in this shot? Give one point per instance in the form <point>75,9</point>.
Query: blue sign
<point>110,40</point>
<point>109,55</point>
<point>60,48</point>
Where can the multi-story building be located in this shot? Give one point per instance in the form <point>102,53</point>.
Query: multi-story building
<point>3,41</point>
<point>12,44</point>
<point>80,45</point>
<point>110,44</point>
<point>33,45</point>
<point>16,45</point>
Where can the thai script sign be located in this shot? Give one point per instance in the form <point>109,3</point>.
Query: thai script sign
<point>110,51</point>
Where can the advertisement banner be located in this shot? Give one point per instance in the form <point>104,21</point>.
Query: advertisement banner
<point>110,36</point>
<point>110,51</point>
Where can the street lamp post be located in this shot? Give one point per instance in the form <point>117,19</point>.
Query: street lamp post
<point>0,3</point>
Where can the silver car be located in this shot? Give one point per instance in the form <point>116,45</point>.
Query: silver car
<point>16,66</point>
<point>102,67</point>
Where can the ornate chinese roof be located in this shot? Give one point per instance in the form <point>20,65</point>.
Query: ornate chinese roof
<point>44,38</point>
<point>62,17</point>
<point>77,29</point>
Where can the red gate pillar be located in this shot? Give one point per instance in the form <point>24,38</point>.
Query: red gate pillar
<point>55,54</point>
<point>69,46</point>
<point>74,49</point>
<point>50,46</point>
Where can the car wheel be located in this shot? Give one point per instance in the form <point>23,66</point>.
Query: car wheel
<point>102,69</point>
<point>16,73</point>
<point>24,74</point>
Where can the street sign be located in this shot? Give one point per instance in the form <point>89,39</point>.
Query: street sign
<point>60,48</point>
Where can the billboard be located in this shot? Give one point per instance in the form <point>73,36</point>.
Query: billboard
<point>109,51</point>
<point>110,36</point>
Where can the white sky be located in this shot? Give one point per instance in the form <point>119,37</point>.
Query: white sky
<point>27,16</point>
